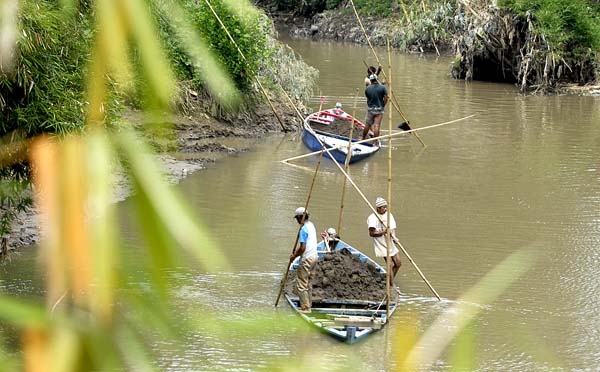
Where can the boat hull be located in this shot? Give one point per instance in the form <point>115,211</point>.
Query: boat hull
<point>346,320</point>
<point>337,144</point>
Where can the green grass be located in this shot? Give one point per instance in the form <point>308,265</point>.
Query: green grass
<point>570,26</point>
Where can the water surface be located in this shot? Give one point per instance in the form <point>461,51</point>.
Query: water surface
<point>522,174</point>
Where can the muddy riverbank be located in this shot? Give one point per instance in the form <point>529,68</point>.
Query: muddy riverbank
<point>198,140</point>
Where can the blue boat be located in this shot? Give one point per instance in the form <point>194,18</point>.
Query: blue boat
<point>337,143</point>
<point>346,320</point>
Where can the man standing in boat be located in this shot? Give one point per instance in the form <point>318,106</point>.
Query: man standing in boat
<point>307,250</point>
<point>377,230</point>
<point>377,98</point>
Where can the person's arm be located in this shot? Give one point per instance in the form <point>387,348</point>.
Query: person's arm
<point>385,96</point>
<point>394,238</point>
<point>298,251</point>
<point>374,233</point>
<point>301,247</point>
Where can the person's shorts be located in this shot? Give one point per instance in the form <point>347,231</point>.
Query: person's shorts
<point>371,115</point>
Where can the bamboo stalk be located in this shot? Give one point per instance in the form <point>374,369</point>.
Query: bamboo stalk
<point>321,100</point>
<point>380,137</point>
<point>388,235</point>
<point>405,12</point>
<point>285,275</point>
<point>347,163</point>
<point>244,58</point>
<point>418,270</point>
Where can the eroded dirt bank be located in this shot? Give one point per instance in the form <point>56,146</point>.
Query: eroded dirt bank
<point>198,138</point>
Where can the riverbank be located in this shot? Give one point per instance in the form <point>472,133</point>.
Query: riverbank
<point>199,140</point>
<point>487,42</point>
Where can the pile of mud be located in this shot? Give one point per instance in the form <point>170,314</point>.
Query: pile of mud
<point>341,275</point>
<point>339,126</point>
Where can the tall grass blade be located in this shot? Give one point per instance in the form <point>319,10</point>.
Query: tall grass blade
<point>177,218</point>
<point>204,61</point>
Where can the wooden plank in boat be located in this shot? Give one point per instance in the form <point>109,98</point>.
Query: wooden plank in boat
<point>357,321</point>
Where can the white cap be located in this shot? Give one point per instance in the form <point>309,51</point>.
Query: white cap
<point>338,105</point>
<point>299,211</point>
<point>331,231</point>
<point>380,202</point>
<point>373,77</point>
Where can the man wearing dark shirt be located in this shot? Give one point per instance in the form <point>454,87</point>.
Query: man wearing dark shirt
<point>377,98</point>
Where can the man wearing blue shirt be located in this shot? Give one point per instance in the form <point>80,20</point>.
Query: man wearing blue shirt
<point>307,251</point>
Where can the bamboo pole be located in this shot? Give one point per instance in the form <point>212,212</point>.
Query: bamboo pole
<point>287,269</point>
<point>321,100</point>
<point>244,58</point>
<point>388,235</point>
<point>405,12</point>
<point>347,163</point>
<point>380,137</point>
<point>418,271</point>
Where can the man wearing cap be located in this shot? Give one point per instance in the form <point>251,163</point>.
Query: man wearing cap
<point>377,98</point>
<point>307,251</point>
<point>377,230</point>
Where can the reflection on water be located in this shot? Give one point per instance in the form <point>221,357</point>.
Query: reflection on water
<point>522,173</point>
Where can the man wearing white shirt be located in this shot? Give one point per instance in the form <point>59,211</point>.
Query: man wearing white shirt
<point>307,251</point>
<point>377,230</point>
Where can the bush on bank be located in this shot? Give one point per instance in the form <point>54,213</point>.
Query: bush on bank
<point>570,26</point>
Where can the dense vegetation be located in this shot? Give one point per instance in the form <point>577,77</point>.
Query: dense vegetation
<point>571,27</point>
<point>44,91</point>
<point>249,33</point>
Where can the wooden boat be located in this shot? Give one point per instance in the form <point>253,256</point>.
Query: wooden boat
<point>345,320</point>
<point>337,142</point>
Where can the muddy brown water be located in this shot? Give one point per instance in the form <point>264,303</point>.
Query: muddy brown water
<point>523,173</point>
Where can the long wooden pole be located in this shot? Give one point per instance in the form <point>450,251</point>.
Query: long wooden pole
<point>380,137</point>
<point>244,58</point>
<point>347,163</point>
<point>287,269</point>
<point>321,100</point>
<point>388,235</point>
<point>394,102</point>
<point>418,270</point>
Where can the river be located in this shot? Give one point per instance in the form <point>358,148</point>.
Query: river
<point>523,173</point>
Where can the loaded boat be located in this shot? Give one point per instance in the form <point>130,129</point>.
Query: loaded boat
<point>347,320</point>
